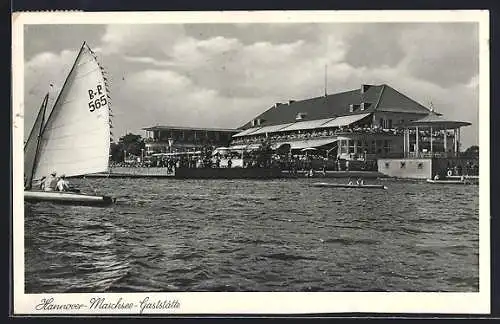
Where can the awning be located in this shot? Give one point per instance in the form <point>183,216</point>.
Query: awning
<point>247,131</point>
<point>344,120</point>
<point>437,121</point>
<point>253,146</point>
<point>308,143</point>
<point>270,129</point>
<point>238,147</point>
<point>310,124</point>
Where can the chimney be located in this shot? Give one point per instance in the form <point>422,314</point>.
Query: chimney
<point>291,102</point>
<point>277,104</point>
<point>351,107</point>
<point>364,88</point>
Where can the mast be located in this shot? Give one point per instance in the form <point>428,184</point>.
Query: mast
<point>41,114</point>
<point>326,80</point>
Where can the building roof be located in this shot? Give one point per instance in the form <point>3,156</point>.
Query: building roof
<point>437,121</point>
<point>377,97</point>
<point>163,127</point>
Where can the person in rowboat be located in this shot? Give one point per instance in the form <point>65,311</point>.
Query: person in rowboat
<point>360,182</point>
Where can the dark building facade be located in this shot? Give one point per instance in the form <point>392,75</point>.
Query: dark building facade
<point>165,139</point>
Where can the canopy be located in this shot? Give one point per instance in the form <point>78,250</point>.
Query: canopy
<point>253,146</point>
<point>437,121</point>
<point>247,131</point>
<point>270,129</point>
<point>310,124</point>
<point>344,120</point>
<point>238,147</point>
<point>307,144</point>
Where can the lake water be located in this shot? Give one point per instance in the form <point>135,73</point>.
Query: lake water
<point>246,235</point>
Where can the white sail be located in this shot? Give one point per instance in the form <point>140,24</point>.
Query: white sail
<point>76,136</point>
<point>32,144</point>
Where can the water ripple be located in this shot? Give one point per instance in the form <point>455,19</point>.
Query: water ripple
<point>206,235</point>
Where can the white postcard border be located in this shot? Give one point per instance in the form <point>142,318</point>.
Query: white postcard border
<point>254,302</point>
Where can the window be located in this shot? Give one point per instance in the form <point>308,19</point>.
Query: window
<point>402,164</point>
<point>387,165</point>
<point>420,165</point>
<point>387,146</point>
<point>390,124</point>
<point>382,122</point>
<point>343,146</point>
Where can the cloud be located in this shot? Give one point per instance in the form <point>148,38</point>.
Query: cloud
<point>222,75</point>
<point>45,72</point>
<point>448,54</point>
<point>140,40</point>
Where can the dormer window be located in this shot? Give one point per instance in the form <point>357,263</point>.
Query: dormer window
<point>353,107</point>
<point>364,105</point>
<point>257,121</point>
<point>300,116</point>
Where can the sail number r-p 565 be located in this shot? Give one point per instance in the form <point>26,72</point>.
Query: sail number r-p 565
<point>97,98</point>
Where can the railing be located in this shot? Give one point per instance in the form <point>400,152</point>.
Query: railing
<point>316,135</point>
<point>430,155</point>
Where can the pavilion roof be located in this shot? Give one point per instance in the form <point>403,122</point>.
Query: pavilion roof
<point>437,121</point>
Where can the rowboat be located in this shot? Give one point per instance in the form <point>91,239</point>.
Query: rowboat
<point>75,138</point>
<point>349,186</point>
<point>460,182</point>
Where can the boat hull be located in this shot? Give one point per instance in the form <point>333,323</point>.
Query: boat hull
<point>459,182</point>
<point>70,198</point>
<point>352,186</point>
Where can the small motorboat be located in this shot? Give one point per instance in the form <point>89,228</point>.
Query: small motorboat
<point>350,186</point>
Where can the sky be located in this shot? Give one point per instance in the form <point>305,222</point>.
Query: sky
<point>223,75</point>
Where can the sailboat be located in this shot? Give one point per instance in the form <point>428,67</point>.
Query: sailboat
<point>75,138</point>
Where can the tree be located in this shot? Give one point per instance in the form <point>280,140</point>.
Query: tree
<point>131,143</point>
<point>472,151</point>
<point>116,152</point>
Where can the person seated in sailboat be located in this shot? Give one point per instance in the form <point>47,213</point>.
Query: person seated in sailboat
<point>50,183</point>
<point>360,182</point>
<point>63,184</point>
<point>41,183</point>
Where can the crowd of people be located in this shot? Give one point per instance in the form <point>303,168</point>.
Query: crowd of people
<point>312,133</point>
